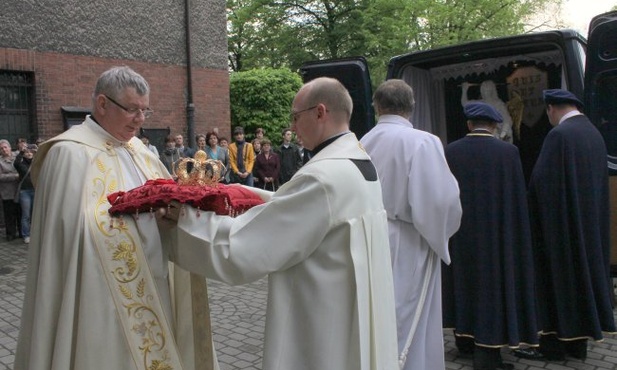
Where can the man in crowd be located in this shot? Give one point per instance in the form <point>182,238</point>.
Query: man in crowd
<point>305,154</point>
<point>569,207</point>
<point>289,156</point>
<point>98,290</point>
<point>241,159</point>
<point>330,301</point>
<point>184,150</point>
<point>421,198</point>
<point>488,289</point>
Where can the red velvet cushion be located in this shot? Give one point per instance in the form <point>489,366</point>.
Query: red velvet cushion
<point>221,199</point>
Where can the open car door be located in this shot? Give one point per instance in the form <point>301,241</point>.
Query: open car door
<point>601,101</point>
<point>353,73</point>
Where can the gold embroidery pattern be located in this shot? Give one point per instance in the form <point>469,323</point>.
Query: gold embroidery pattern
<point>109,147</point>
<point>133,288</point>
<point>136,292</point>
<point>129,147</point>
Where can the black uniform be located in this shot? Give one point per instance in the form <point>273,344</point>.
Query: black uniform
<point>569,205</point>
<point>488,290</point>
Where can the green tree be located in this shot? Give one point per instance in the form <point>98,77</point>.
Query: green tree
<point>242,32</point>
<point>262,98</point>
<point>283,34</point>
<point>280,33</point>
<point>286,33</point>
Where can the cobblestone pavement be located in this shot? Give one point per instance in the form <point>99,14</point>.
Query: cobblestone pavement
<point>238,317</point>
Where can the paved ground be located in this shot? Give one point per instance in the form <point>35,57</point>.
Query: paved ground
<point>238,315</point>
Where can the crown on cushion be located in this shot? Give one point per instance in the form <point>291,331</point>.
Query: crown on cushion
<point>197,186</point>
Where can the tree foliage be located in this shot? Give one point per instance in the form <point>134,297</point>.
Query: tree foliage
<point>262,98</point>
<point>276,35</point>
<point>286,33</point>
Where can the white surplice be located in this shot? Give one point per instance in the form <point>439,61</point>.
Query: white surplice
<point>421,197</point>
<point>322,239</point>
<point>98,292</point>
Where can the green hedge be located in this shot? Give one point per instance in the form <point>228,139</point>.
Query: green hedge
<point>262,98</point>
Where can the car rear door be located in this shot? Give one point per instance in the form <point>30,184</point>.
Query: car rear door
<point>601,101</point>
<point>353,73</point>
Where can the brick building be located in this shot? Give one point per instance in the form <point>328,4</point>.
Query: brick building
<point>52,52</point>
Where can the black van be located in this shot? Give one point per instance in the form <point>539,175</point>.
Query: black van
<point>517,69</point>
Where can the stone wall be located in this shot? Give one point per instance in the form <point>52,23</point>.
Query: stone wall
<point>68,44</point>
<point>146,30</point>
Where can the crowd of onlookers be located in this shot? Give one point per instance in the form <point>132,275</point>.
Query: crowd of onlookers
<point>16,188</point>
<point>254,163</point>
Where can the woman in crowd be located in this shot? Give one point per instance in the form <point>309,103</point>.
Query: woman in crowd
<point>25,190</point>
<point>267,166</point>
<point>9,178</point>
<point>257,146</point>
<point>214,151</point>
<point>170,155</point>
<point>257,149</point>
<point>201,142</point>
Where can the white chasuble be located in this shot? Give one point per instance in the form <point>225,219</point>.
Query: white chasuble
<point>322,239</point>
<point>98,289</point>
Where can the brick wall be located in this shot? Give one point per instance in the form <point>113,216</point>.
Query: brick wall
<point>68,80</point>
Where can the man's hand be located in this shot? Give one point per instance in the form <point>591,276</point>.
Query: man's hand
<point>167,217</point>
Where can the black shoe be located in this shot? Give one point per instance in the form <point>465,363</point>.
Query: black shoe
<point>528,353</point>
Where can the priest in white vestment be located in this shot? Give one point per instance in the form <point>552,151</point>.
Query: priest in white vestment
<point>421,197</point>
<point>322,240</point>
<point>99,291</point>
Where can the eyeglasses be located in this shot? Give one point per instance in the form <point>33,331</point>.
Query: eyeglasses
<point>147,112</point>
<point>293,116</point>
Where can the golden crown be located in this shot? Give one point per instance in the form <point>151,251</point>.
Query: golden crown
<point>199,171</point>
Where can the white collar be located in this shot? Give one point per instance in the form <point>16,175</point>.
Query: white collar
<point>569,115</point>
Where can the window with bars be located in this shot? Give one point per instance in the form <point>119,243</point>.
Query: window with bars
<point>16,106</point>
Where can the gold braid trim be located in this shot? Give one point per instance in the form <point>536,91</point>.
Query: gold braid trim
<point>131,284</point>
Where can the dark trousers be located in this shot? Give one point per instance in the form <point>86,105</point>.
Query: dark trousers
<point>11,218</point>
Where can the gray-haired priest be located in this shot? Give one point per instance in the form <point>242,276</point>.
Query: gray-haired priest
<point>99,293</point>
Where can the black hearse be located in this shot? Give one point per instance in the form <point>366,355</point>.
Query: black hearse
<point>519,68</point>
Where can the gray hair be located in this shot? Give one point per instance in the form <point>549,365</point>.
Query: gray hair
<point>4,141</point>
<point>394,97</point>
<point>115,80</point>
<point>330,92</point>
